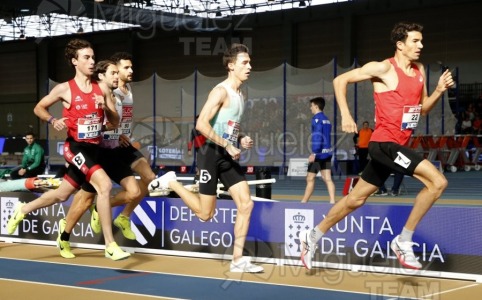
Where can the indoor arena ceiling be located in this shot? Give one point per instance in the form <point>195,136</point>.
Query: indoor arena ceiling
<point>21,19</point>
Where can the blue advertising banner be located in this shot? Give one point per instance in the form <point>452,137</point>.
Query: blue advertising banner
<point>447,241</point>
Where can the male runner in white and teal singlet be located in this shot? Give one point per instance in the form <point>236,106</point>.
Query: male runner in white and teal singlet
<point>218,157</point>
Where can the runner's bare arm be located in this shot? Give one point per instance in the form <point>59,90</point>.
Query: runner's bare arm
<point>109,107</point>
<point>215,101</point>
<point>60,92</point>
<point>368,71</point>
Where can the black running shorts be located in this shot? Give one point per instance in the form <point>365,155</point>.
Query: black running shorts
<point>214,163</point>
<point>387,157</point>
<point>83,159</point>
<point>115,164</point>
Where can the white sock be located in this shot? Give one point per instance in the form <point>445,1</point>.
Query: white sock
<point>316,234</point>
<point>406,235</point>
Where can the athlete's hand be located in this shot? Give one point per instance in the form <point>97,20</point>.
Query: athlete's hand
<point>246,142</point>
<point>99,101</point>
<point>59,124</point>
<point>348,125</point>
<point>445,81</point>
<point>233,151</point>
<point>124,140</point>
<point>109,126</point>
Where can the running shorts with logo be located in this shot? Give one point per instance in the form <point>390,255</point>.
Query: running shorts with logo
<point>83,161</point>
<point>214,163</point>
<point>388,157</point>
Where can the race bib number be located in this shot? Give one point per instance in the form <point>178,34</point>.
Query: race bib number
<point>127,118</point>
<point>112,135</point>
<point>411,115</point>
<point>126,126</point>
<point>204,176</point>
<point>88,128</point>
<point>78,160</point>
<point>232,132</point>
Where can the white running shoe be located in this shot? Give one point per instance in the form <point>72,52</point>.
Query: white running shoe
<point>404,253</point>
<point>244,265</point>
<point>308,249</point>
<point>162,183</point>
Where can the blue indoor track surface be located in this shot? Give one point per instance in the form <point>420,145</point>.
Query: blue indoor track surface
<point>161,285</point>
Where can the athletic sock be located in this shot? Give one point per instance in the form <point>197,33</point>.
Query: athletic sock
<point>406,235</point>
<point>65,236</point>
<point>316,234</point>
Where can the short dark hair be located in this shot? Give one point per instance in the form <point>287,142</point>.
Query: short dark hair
<point>232,52</point>
<point>30,133</point>
<point>400,31</point>
<point>72,47</point>
<point>319,101</point>
<point>118,56</point>
<point>101,67</point>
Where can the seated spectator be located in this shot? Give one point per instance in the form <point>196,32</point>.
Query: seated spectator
<point>33,162</point>
<point>470,111</point>
<point>476,124</point>
<point>466,125</point>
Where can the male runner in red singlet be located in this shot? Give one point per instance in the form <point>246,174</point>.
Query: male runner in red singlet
<point>85,102</point>
<point>121,150</point>
<point>106,72</point>
<point>400,98</point>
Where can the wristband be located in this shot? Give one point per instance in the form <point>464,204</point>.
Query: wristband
<point>51,120</point>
